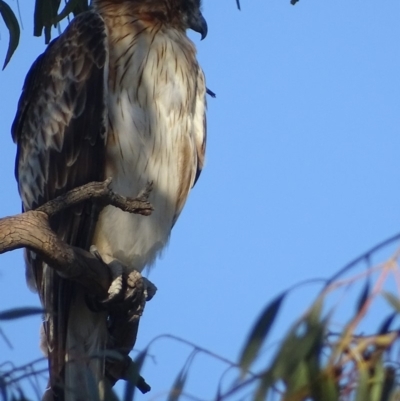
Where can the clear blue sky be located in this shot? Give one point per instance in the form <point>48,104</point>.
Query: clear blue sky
<point>302,174</point>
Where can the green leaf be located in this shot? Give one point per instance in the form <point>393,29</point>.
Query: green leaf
<point>295,349</point>
<point>179,384</point>
<point>133,376</point>
<point>298,380</point>
<point>314,315</point>
<point>376,382</point>
<point>129,392</point>
<point>177,388</point>
<point>68,9</point>
<point>13,28</point>
<point>387,323</point>
<point>362,385</point>
<point>393,300</point>
<point>388,383</point>
<point>180,381</point>
<point>37,18</point>
<point>81,7</point>
<point>324,387</point>
<point>44,17</point>
<point>259,333</point>
<point>266,381</point>
<point>17,313</point>
<point>304,339</point>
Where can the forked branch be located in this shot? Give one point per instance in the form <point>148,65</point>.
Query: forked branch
<point>32,230</point>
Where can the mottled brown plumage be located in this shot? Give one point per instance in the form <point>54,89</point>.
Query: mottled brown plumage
<point>119,93</point>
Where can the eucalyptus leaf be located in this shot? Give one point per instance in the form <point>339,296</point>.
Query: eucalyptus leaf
<point>68,9</point>
<point>179,384</point>
<point>364,296</point>
<point>17,313</point>
<point>388,383</point>
<point>265,383</point>
<point>362,393</point>
<point>376,382</point>
<point>393,300</point>
<point>385,327</point>
<point>260,332</point>
<point>133,376</point>
<point>13,28</point>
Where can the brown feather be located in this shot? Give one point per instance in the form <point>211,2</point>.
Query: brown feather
<point>60,132</point>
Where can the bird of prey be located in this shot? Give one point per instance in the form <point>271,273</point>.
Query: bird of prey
<point>118,94</point>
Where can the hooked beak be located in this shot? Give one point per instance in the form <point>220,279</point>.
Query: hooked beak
<point>199,24</point>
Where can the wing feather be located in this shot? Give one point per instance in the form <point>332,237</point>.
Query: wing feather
<point>200,124</point>
<point>60,132</point>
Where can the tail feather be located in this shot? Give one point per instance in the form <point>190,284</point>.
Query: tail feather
<point>85,362</point>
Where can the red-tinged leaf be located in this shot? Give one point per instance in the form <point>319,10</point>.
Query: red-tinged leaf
<point>13,28</point>
<point>179,384</point>
<point>180,381</point>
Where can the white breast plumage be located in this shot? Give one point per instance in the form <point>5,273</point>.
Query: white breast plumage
<point>155,134</point>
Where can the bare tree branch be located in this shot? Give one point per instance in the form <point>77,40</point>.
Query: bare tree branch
<point>32,230</point>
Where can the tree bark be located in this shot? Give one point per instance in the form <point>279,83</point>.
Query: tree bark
<point>32,230</point>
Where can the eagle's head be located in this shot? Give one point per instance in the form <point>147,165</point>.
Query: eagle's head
<point>181,14</point>
<point>192,16</point>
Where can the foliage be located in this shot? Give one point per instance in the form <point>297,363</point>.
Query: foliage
<point>13,27</point>
<point>48,14</point>
<point>14,379</point>
<point>316,362</point>
<point>320,358</point>
<point>317,359</point>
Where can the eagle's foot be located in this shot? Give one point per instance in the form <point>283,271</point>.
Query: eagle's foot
<point>128,292</point>
<point>139,291</point>
<point>115,292</point>
<point>150,289</point>
<point>123,324</point>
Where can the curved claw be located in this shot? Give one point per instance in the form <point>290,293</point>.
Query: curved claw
<point>117,270</point>
<point>150,289</point>
<point>115,290</point>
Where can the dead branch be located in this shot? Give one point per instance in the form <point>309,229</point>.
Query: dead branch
<point>32,230</point>
<point>100,191</point>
